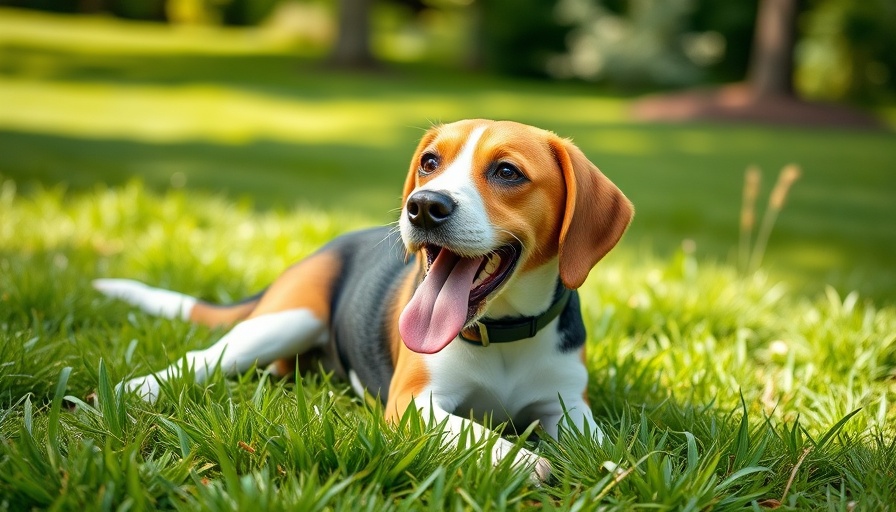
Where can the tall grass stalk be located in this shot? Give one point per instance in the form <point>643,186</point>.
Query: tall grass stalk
<point>752,180</point>
<point>786,178</point>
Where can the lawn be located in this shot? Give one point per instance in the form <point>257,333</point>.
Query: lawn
<point>207,167</point>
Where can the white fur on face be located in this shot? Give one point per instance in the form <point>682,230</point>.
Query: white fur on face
<point>470,229</point>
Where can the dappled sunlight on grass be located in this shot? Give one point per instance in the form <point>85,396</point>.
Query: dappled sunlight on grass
<point>110,36</point>
<point>195,112</point>
<point>210,111</point>
<point>216,113</point>
<point>95,77</point>
<point>204,233</point>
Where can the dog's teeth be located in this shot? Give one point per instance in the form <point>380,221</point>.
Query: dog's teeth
<point>490,268</point>
<point>492,265</point>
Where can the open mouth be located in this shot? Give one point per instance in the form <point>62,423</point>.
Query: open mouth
<point>493,270</point>
<point>452,293</point>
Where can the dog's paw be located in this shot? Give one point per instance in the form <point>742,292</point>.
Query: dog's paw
<point>539,466</point>
<point>542,470</point>
<point>146,387</point>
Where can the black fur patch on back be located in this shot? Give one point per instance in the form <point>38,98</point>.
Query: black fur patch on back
<point>373,263</point>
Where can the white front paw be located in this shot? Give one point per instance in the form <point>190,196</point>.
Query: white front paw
<point>540,467</point>
<point>542,470</point>
<point>146,387</point>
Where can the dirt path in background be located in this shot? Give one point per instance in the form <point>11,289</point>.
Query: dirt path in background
<point>736,103</point>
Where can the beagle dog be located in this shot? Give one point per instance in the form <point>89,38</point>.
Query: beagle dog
<point>469,310</point>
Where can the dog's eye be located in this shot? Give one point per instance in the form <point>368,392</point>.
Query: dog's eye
<point>428,163</point>
<point>508,173</point>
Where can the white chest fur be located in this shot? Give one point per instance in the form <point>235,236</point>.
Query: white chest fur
<point>515,381</point>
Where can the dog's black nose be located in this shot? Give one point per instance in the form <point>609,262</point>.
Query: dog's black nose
<point>428,208</point>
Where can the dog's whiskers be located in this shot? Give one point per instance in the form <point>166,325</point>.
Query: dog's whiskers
<point>390,232</point>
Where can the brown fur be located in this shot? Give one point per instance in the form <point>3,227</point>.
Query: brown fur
<point>316,273</point>
<point>220,316</point>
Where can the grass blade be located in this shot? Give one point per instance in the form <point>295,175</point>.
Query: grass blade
<point>56,408</point>
<point>835,429</point>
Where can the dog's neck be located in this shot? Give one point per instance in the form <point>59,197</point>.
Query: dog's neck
<point>529,293</point>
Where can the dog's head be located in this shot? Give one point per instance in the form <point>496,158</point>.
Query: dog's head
<point>487,200</point>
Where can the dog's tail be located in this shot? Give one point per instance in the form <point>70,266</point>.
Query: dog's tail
<point>171,304</point>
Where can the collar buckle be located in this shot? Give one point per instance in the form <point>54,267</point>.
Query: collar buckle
<point>483,334</point>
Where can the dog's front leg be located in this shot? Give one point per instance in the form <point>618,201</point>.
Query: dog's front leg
<point>573,412</point>
<point>456,426</point>
<point>258,341</point>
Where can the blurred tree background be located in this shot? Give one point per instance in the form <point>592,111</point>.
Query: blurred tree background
<point>842,49</point>
<point>282,102</point>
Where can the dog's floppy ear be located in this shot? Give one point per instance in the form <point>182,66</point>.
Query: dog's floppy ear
<point>595,216</point>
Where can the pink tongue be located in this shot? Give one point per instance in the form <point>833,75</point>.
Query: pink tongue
<point>438,310</point>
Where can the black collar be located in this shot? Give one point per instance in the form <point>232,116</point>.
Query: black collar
<point>518,328</point>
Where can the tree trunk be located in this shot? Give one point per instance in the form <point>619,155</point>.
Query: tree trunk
<point>352,48</point>
<point>771,61</point>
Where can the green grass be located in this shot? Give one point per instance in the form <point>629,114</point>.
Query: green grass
<point>711,386</point>
<point>207,167</point>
